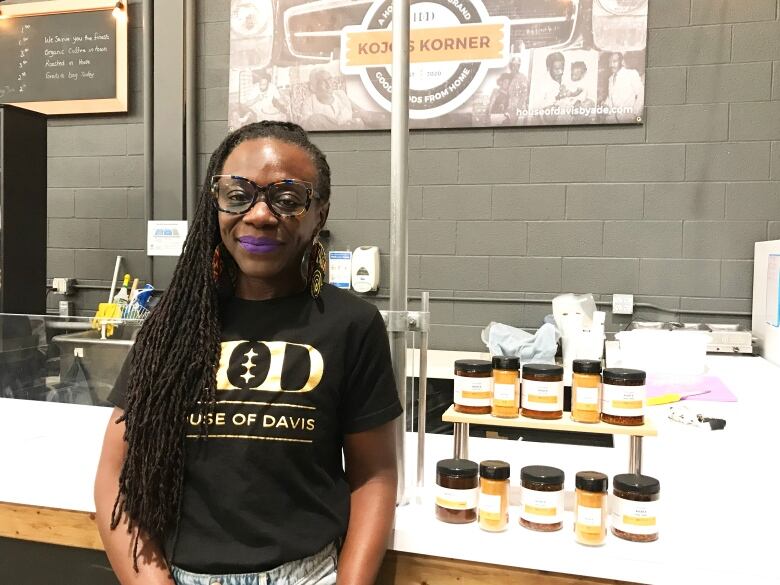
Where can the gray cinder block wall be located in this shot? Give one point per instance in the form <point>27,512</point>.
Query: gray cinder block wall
<point>667,211</point>
<point>96,189</point>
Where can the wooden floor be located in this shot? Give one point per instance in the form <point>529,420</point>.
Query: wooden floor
<point>77,529</point>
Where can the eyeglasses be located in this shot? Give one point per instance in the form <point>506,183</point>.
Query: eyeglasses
<point>237,195</point>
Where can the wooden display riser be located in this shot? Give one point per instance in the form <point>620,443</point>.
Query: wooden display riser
<point>561,424</point>
<point>77,529</point>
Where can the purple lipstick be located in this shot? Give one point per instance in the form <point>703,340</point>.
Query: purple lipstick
<point>259,245</point>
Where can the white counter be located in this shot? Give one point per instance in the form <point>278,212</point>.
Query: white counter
<point>717,487</point>
<point>717,516</point>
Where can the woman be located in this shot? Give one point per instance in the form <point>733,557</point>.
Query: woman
<point>499,99</point>
<point>223,458</point>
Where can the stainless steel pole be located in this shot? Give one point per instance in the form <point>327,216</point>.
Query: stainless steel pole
<point>422,392</point>
<point>460,440</point>
<point>190,108</point>
<point>635,455</point>
<point>399,158</point>
<point>147,23</point>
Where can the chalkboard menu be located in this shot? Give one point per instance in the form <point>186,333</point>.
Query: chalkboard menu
<point>63,62</point>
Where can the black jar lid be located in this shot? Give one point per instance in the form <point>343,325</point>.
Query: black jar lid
<point>591,481</point>
<point>494,469</point>
<point>623,375</point>
<point>543,369</point>
<point>506,362</point>
<point>586,366</point>
<point>636,484</point>
<point>457,468</point>
<point>542,474</point>
<point>474,366</point>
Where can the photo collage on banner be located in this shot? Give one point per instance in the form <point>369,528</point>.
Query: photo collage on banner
<point>326,64</point>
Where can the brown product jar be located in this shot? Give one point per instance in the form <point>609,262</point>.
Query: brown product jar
<point>623,396</point>
<point>541,498</point>
<point>586,391</point>
<point>590,507</point>
<point>542,391</point>
<point>457,489</point>
<point>473,386</point>
<point>506,387</point>
<point>634,509</point>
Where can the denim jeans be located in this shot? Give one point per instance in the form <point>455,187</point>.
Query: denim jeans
<point>318,569</point>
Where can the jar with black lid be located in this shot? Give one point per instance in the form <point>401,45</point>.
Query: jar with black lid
<point>590,507</point>
<point>635,507</point>
<point>473,386</point>
<point>623,396</point>
<point>493,495</point>
<point>457,490</point>
<point>586,391</point>
<point>541,498</point>
<point>542,391</point>
<point>506,386</point>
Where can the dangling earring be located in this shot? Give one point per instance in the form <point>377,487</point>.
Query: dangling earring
<point>216,263</point>
<point>316,269</point>
<point>223,271</point>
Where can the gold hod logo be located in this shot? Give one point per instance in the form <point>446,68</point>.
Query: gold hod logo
<point>452,44</point>
<point>271,366</point>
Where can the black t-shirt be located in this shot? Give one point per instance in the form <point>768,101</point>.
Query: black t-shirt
<point>295,376</point>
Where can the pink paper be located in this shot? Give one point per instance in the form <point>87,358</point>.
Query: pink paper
<point>718,392</point>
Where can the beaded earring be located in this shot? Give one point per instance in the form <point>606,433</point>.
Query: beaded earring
<point>316,269</point>
<point>223,271</point>
<point>216,263</point>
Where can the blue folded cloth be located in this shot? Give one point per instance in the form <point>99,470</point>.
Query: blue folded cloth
<point>539,347</point>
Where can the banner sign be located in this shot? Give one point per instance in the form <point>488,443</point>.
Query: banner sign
<point>327,64</point>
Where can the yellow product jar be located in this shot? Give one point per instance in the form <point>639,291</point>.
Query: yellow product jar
<point>506,387</point>
<point>493,495</point>
<point>590,507</point>
<point>586,391</point>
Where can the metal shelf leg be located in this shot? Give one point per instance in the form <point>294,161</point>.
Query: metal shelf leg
<point>635,455</point>
<point>461,439</point>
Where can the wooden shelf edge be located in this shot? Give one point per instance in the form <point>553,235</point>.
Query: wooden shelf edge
<point>563,424</point>
<point>49,525</point>
<point>404,568</point>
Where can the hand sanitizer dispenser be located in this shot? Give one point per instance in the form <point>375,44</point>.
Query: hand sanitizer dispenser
<point>365,269</point>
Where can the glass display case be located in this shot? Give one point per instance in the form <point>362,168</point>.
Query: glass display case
<point>61,359</point>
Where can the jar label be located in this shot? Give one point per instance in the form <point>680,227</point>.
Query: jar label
<point>635,517</point>
<point>504,392</point>
<point>589,520</point>
<point>623,400</point>
<point>542,396</point>
<point>473,391</point>
<point>587,399</point>
<point>541,507</point>
<point>453,499</point>
<point>489,507</point>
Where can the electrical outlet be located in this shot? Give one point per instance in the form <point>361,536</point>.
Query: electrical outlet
<point>63,286</point>
<point>622,304</point>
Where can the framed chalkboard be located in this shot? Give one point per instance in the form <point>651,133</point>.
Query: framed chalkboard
<point>64,56</point>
